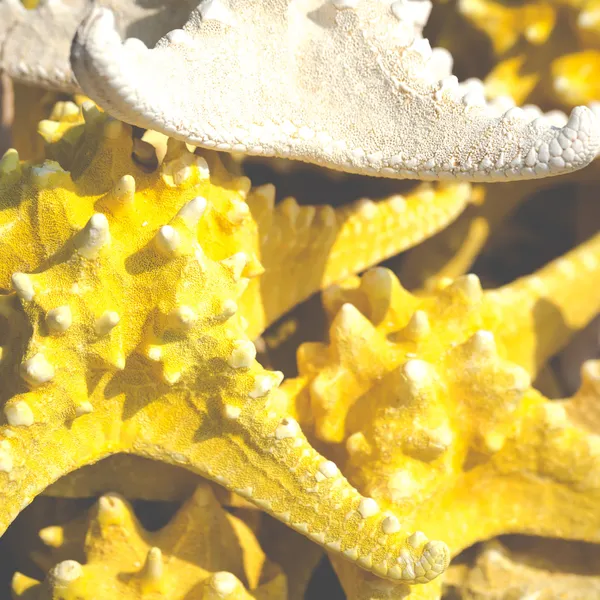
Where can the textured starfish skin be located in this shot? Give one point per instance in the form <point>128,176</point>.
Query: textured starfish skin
<point>302,249</point>
<point>132,330</point>
<point>35,44</point>
<point>426,404</point>
<point>203,551</point>
<point>301,63</point>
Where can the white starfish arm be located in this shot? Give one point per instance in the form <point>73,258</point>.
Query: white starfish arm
<point>35,44</point>
<point>345,84</point>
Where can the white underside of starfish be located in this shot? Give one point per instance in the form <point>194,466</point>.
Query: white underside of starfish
<point>346,84</point>
<point>35,44</point>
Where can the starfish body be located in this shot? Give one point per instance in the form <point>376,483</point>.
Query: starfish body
<point>302,64</point>
<point>35,44</point>
<point>426,403</point>
<point>127,338</point>
<point>203,551</point>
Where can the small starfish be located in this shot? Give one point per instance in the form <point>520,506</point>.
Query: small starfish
<point>350,85</point>
<point>426,404</point>
<point>202,552</point>
<point>134,343</point>
<point>34,44</point>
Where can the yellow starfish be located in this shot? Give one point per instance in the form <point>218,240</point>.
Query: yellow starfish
<point>204,551</point>
<point>134,343</point>
<point>425,401</point>
<point>547,48</point>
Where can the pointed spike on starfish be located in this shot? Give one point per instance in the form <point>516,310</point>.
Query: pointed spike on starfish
<point>59,319</point>
<point>37,371</point>
<point>64,573</point>
<point>182,318</point>
<point>418,327</point>
<point>462,141</point>
<point>21,584</point>
<point>470,286</point>
<point>52,536</point>
<point>191,212</point>
<point>10,162</point>
<point>106,322</point>
<point>123,193</point>
<point>482,343</point>
<point>236,263</point>
<point>19,414</point>
<point>151,576</point>
<point>84,408</point>
<point>243,354</point>
<point>23,286</point>
<point>167,240</point>
<point>94,236</point>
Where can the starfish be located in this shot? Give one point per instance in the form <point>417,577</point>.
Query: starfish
<point>203,551</point>
<point>425,402</point>
<point>542,570</point>
<point>34,44</point>
<point>129,321</point>
<point>303,248</point>
<point>546,50</point>
<point>350,85</point>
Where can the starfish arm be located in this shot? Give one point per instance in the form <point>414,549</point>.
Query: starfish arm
<point>269,462</point>
<point>409,125</point>
<point>359,585</point>
<point>453,250</point>
<point>541,311</point>
<point>305,248</point>
<point>35,44</point>
<point>28,437</point>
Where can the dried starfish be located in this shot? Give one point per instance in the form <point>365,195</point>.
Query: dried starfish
<point>302,248</point>
<point>203,551</point>
<point>133,331</point>
<point>34,44</point>
<point>422,402</point>
<point>547,48</point>
<point>542,570</point>
<point>350,85</point>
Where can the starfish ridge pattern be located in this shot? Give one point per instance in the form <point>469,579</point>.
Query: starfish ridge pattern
<point>351,85</point>
<point>103,360</point>
<point>426,404</point>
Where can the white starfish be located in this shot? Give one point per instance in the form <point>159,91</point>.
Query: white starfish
<point>347,84</point>
<point>34,44</point>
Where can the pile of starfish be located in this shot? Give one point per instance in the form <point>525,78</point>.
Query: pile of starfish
<point>153,280</point>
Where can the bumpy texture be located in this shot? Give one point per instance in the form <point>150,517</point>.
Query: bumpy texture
<point>202,552</point>
<point>416,121</point>
<point>102,360</point>
<point>426,403</point>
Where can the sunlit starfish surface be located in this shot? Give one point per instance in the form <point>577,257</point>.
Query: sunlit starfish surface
<point>426,403</point>
<point>348,85</point>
